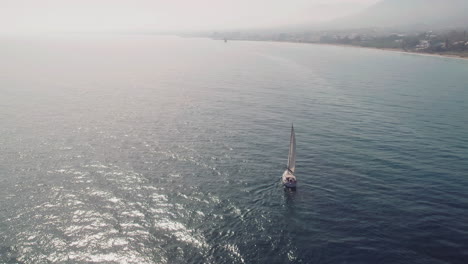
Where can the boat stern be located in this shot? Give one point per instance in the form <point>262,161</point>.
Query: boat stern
<point>289,180</point>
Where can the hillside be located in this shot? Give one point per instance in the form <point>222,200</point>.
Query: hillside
<point>407,14</point>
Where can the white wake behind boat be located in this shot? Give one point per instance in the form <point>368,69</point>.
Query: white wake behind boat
<point>289,180</point>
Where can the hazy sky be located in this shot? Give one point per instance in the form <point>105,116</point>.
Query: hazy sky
<point>117,15</point>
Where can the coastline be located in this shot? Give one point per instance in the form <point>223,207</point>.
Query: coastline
<point>452,56</point>
<point>440,55</point>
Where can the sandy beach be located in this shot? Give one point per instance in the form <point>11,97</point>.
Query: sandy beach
<point>453,56</point>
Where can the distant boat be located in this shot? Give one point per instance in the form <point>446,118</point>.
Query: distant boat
<point>289,180</point>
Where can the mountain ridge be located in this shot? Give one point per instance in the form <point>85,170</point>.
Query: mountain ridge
<point>401,13</point>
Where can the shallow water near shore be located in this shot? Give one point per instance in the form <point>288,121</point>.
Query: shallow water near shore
<point>158,149</point>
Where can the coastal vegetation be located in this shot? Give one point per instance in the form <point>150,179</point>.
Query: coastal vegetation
<point>452,42</point>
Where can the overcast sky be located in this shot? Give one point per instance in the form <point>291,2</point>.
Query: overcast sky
<point>161,15</point>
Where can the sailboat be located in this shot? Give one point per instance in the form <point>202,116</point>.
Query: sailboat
<point>289,180</point>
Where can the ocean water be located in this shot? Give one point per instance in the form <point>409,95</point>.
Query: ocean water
<point>159,149</point>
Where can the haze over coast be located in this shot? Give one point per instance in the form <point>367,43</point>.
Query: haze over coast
<point>29,16</point>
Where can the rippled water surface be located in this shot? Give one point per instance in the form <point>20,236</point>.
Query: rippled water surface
<point>145,149</point>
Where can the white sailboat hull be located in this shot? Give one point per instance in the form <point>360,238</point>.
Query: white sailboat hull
<point>288,179</point>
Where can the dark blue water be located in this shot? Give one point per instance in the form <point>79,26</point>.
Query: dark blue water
<point>143,149</point>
